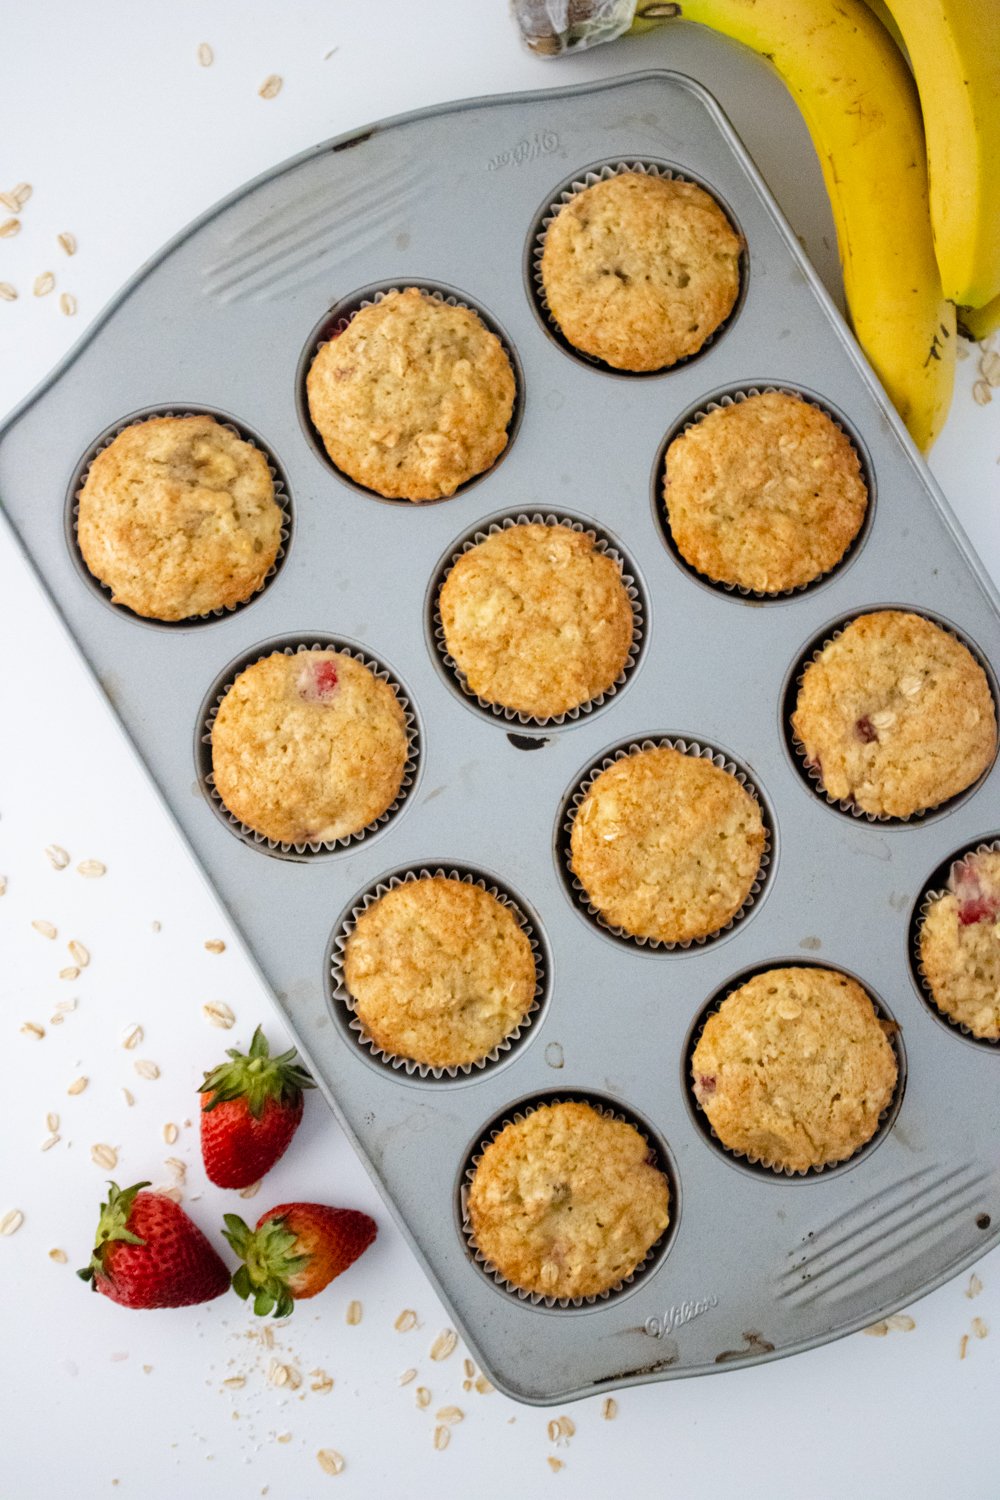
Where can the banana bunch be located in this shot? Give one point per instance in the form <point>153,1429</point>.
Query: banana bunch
<point>902,100</point>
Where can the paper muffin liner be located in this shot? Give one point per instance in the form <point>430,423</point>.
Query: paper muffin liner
<point>735,398</point>
<point>342,996</point>
<point>259,840</point>
<point>586,179</point>
<point>929,896</point>
<point>811,774</point>
<point>281,498</point>
<point>604,544</point>
<point>342,314</point>
<point>699,752</point>
<point>759,1164</point>
<point>653,1255</point>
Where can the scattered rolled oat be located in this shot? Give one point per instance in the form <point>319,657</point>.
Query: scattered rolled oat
<point>284,1437</point>
<point>444,1344</point>
<point>963,1345</point>
<point>32,1028</point>
<point>9,201</point>
<point>43,284</point>
<point>975,1286</point>
<point>252,1190</point>
<point>330,1461</point>
<point>450,1415</point>
<point>7,292</point>
<point>423,1396</point>
<point>553,1431</point>
<point>46,929</point>
<point>215,945</point>
<point>981,393</point>
<point>206,56</point>
<point>235,1382</point>
<point>129,1097</point>
<point>78,1085</point>
<point>147,1069</point>
<point>877,1330</point>
<point>979,1328</point>
<point>70,972</point>
<point>902,1321</point>
<point>354,1313</point>
<point>67,242</point>
<point>406,1320</point>
<point>469,1368</point>
<point>555,1464</point>
<point>170,1134</point>
<point>59,1256</point>
<point>177,1167</point>
<point>91,869</point>
<point>9,228</point>
<point>173,1193</point>
<point>52,1120</point>
<point>11,1221</point>
<point>57,856</point>
<point>157,926</point>
<point>442,1437</point>
<point>50,1141</point>
<point>218,1013</point>
<point>484,1386</point>
<point>567,1428</point>
<point>132,1038</point>
<point>67,305</point>
<point>21,193</point>
<point>610,1409</point>
<point>271,87</point>
<point>104,1156</point>
<point>407,1376</point>
<point>322,1383</point>
<point>989,368</point>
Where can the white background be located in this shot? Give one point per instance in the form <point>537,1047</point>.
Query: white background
<point>125,138</point>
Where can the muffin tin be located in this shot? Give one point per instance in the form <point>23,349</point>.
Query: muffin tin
<point>757,1265</point>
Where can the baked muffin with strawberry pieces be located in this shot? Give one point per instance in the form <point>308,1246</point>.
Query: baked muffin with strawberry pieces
<point>251,1107</point>
<point>294,1252</point>
<point>149,1254</point>
<point>895,715</point>
<point>309,747</point>
<point>960,945</point>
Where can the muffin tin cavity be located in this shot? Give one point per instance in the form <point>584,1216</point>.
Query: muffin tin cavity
<point>796,751</point>
<point>72,508</point>
<point>758,1169</point>
<point>342,1004</point>
<point>578,789</point>
<point>605,543</point>
<point>336,319</point>
<point>586,177</point>
<point>730,396</point>
<point>290,644</point>
<point>934,886</point>
<point>660,1156</point>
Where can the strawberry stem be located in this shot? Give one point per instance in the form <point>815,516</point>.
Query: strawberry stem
<point>269,1261</point>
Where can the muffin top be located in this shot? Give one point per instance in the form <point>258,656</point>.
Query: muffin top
<point>666,845</point>
<point>766,494</point>
<point>309,747</point>
<point>413,398</point>
<point>895,715</point>
<point>639,270</point>
<point>178,517</point>
<point>537,619</point>
<point>795,1068</point>
<point>439,971</point>
<point>566,1203</point>
<point>960,945</point>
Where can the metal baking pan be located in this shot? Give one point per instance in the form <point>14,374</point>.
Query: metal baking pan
<point>756,1266</point>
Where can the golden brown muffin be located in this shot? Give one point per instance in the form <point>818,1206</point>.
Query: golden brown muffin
<point>895,715</point>
<point>766,494</point>
<point>537,619</point>
<point>960,945</point>
<point>666,845</point>
<point>439,971</point>
<point>639,271</point>
<point>413,398</point>
<point>566,1203</point>
<point>795,1069</point>
<point>308,748</point>
<point>178,517</point>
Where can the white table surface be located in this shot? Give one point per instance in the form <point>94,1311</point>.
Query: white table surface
<point>104,109</point>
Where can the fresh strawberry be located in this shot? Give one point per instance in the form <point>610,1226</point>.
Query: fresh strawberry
<point>251,1110</point>
<point>150,1254</point>
<point>295,1251</point>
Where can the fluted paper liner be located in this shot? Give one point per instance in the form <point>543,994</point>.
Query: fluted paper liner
<point>603,544</point>
<point>538,1299</point>
<point>342,995</point>
<point>280,496</point>
<point>588,179</point>
<point>700,752</point>
<point>927,900</point>
<point>250,835</point>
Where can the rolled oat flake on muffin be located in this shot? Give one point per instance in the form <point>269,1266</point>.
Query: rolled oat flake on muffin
<point>413,397</point>
<point>309,747</point>
<point>895,715</point>
<point>795,1069</point>
<point>178,517</point>
<point>959,943</point>
<point>440,971</point>
<point>566,1202</point>
<point>537,618</point>
<point>640,270</point>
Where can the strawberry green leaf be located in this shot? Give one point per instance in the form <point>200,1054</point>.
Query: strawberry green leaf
<point>257,1077</point>
<point>113,1225</point>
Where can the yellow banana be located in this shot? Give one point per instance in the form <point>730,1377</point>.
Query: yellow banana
<point>981,321</point>
<point>954,48</point>
<point>860,104</point>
